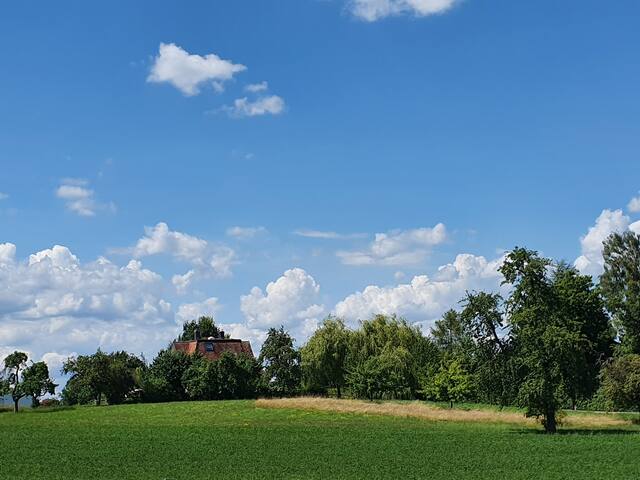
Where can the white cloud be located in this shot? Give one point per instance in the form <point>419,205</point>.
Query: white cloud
<point>425,299</point>
<point>188,72</point>
<point>634,205</point>
<point>4,196</point>
<point>191,311</point>
<point>183,282</point>
<point>293,300</point>
<point>590,262</point>
<point>243,107</point>
<point>207,258</point>
<point>372,10</point>
<point>52,305</point>
<point>80,199</point>
<point>7,253</point>
<point>245,232</point>
<point>326,234</point>
<point>257,87</point>
<point>398,247</point>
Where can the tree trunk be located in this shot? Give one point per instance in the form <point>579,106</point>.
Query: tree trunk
<point>550,421</point>
<point>450,403</point>
<point>15,405</point>
<point>98,399</point>
<point>338,391</point>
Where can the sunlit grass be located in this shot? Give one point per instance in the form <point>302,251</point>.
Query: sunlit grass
<point>237,439</point>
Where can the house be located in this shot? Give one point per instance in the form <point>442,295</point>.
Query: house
<point>213,347</point>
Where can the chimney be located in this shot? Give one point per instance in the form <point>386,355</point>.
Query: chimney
<point>220,333</point>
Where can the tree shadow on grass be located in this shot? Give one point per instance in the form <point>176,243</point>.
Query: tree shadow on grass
<point>578,431</point>
<point>50,409</point>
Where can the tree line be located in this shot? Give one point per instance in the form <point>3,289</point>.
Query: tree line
<point>556,341</point>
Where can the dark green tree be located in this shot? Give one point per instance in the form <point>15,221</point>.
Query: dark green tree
<point>20,380</point>
<point>163,380</point>
<point>621,382</point>
<point>620,284</point>
<point>36,382</point>
<point>89,373</point>
<point>204,326</point>
<point>280,360</point>
<point>324,356</point>
<point>548,345</point>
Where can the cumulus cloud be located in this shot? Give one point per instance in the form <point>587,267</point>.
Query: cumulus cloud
<point>267,105</point>
<point>79,198</point>
<point>327,235</point>
<point>187,72</point>
<point>53,305</point>
<point>257,87</point>
<point>190,311</point>
<point>590,261</point>
<point>207,258</point>
<point>245,232</point>
<point>634,205</point>
<point>372,10</point>
<point>398,247</point>
<point>424,299</point>
<point>293,300</point>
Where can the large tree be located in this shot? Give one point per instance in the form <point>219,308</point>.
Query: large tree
<point>22,381</point>
<point>324,356</point>
<point>621,382</point>
<point>548,345</point>
<point>281,364</point>
<point>620,285</point>
<point>94,376</point>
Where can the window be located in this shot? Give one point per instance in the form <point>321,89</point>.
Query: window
<point>208,347</point>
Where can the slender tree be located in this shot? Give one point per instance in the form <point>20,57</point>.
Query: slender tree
<point>281,364</point>
<point>324,356</point>
<point>620,285</point>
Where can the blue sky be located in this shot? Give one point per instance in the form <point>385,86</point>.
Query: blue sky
<point>509,123</point>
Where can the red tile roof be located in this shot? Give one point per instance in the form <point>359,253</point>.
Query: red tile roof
<point>219,345</point>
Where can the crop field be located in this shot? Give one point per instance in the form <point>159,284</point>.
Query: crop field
<point>309,438</point>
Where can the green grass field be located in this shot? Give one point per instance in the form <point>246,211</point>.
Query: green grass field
<point>237,440</point>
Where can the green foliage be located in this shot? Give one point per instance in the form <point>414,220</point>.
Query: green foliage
<point>621,382</point>
<point>36,382</point>
<point>20,380</point>
<point>229,377</point>
<point>549,345</point>
<point>163,380</point>
<point>324,356</point>
<point>389,337</point>
<point>620,285</point>
<point>94,376</point>
<point>450,384</point>
<point>205,327</point>
<point>384,376</point>
<point>282,373</point>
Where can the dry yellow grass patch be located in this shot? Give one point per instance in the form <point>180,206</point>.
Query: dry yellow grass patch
<point>430,412</point>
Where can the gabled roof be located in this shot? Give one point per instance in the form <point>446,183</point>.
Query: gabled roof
<point>213,348</point>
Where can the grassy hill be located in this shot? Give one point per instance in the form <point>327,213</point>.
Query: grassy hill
<point>238,439</point>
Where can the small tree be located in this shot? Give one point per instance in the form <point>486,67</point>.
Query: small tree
<point>163,380</point>
<point>324,356</point>
<point>204,326</point>
<point>281,364</point>
<point>621,382</point>
<point>36,382</point>
<point>22,380</point>
<point>450,384</point>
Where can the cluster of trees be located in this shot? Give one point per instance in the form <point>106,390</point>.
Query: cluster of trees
<point>556,341</point>
<point>20,380</point>
<point>175,375</point>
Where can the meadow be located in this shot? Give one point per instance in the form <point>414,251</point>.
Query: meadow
<point>263,440</point>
